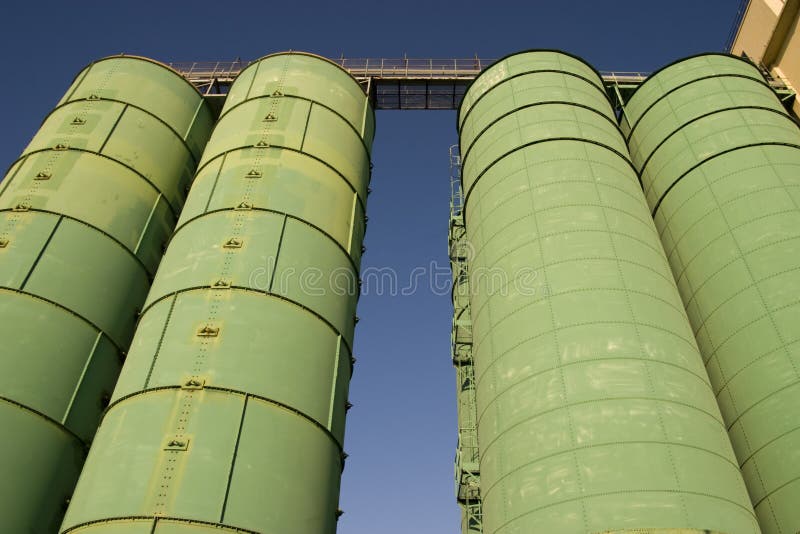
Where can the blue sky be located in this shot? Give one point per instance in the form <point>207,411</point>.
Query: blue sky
<point>401,432</point>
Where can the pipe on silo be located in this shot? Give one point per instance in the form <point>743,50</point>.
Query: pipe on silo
<point>594,410</point>
<point>720,165</point>
<point>229,413</point>
<point>84,214</point>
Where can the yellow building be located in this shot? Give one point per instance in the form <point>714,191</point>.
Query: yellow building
<point>769,35</point>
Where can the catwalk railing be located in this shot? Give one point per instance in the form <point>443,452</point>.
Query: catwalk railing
<point>403,83</point>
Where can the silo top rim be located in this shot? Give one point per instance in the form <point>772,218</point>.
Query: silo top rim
<point>309,54</point>
<point>688,58</point>
<point>146,59</point>
<point>527,51</point>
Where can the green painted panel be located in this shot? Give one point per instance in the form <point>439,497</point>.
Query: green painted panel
<point>519,65</point>
<point>289,181</point>
<point>82,223</point>
<point>305,466</point>
<point>61,126</point>
<point>31,232</point>
<point>194,479</point>
<point>249,323</point>
<point>106,293</point>
<point>721,173</point>
<point>147,84</point>
<point>123,217</point>
<point>253,329</point>
<point>141,141</point>
<point>248,262</point>
<point>40,465</point>
<point>594,410</point>
<point>306,76</point>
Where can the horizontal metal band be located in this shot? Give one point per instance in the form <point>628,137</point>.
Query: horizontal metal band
<point>71,312</point>
<point>703,116</point>
<point>677,492</point>
<point>146,60</point>
<point>93,227</point>
<point>155,188</point>
<point>134,106</point>
<point>529,51</point>
<point>460,124</point>
<point>487,490</point>
<point>698,164</point>
<point>295,150</point>
<point>219,389</point>
<point>63,428</point>
<point>258,292</point>
<point>276,212</point>
<point>526,106</point>
<point>681,86</point>
<point>155,519</point>
<point>653,74</point>
<point>307,54</point>
<point>538,141</point>
<point>313,102</point>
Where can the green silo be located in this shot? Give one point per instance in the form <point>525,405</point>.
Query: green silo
<point>594,410</point>
<point>720,167</point>
<point>84,214</point>
<point>229,414</point>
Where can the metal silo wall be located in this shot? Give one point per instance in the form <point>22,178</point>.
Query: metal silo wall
<point>84,214</point>
<point>594,409</point>
<point>229,414</point>
<point>720,167</point>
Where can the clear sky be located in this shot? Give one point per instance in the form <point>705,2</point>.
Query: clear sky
<point>401,431</point>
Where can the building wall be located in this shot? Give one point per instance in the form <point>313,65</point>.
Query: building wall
<point>768,34</point>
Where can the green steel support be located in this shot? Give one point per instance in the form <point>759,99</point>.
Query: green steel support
<point>467,472</point>
<point>594,409</point>
<point>720,165</point>
<point>84,214</point>
<point>229,414</point>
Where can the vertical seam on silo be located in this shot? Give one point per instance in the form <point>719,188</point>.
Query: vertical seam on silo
<point>41,253</point>
<point>277,254</point>
<point>79,382</point>
<point>191,125</point>
<point>160,341</point>
<point>252,81</point>
<point>305,128</point>
<point>146,226</point>
<point>352,229</point>
<point>214,185</point>
<point>334,382</point>
<point>114,127</point>
<point>233,459</point>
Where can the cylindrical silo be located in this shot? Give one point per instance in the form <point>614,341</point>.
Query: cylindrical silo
<point>84,214</point>
<point>594,410</point>
<point>229,413</point>
<point>720,165</point>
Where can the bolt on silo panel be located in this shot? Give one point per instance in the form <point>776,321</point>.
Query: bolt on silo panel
<point>84,214</point>
<point>720,165</point>
<point>229,414</point>
<point>595,412</point>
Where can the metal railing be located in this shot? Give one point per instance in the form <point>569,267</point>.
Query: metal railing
<point>381,68</point>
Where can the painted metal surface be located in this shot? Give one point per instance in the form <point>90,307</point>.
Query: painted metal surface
<point>594,410</point>
<point>84,214</point>
<point>229,413</point>
<point>720,166</point>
